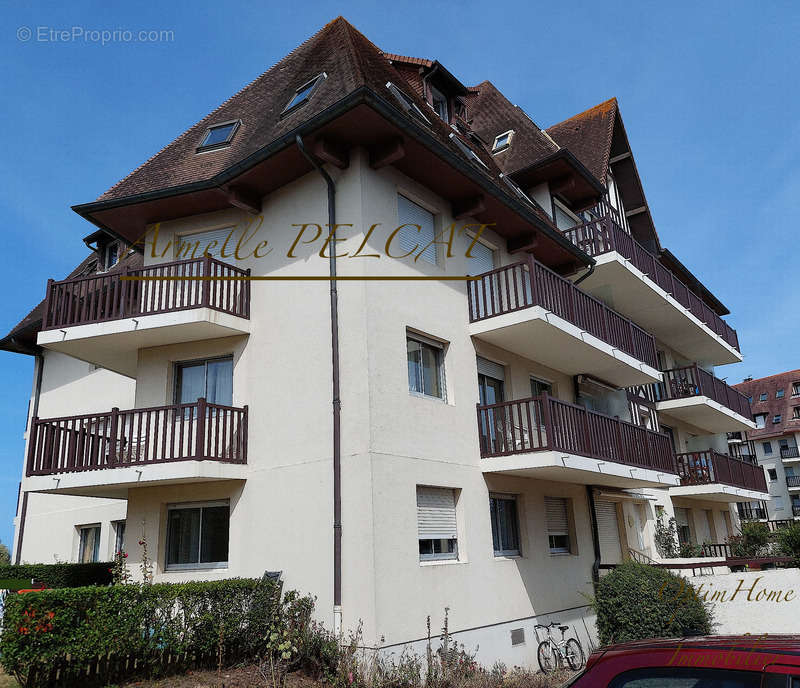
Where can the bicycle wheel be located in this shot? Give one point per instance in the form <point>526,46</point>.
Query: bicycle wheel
<point>548,657</point>
<point>574,653</point>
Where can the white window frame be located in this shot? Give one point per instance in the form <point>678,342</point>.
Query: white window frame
<point>762,422</point>
<point>771,469</point>
<point>199,565</point>
<point>439,557</point>
<point>441,346</point>
<point>499,148</point>
<point>780,393</point>
<point>559,550</point>
<point>563,208</point>
<point>764,446</point>
<point>81,541</point>
<point>777,418</point>
<point>119,535</point>
<point>509,498</point>
<point>777,503</point>
<point>436,94</point>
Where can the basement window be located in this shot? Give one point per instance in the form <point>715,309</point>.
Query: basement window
<point>408,105</point>
<point>467,151</point>
<point>303,94</point>
<point>502,141</point>
<point>219,136</point>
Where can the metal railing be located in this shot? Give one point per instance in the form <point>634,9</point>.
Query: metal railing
<point>706,467</point>
<point>793,481</point>
<point>790,452</point>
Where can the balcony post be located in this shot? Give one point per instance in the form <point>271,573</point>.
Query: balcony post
<point>32,441</point>
<point>123,297</point>
<point>246,293</point>
<point>200,447</point>
<point>206,281</point>
<point>112,449</point>
<point>47,301</point>
<point>243,431</point>
<point>548,427</point>
<point>532,279</point>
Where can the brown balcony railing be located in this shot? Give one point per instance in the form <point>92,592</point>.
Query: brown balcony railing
<point>790,452</point>
<point>529,283</point>
<point>793,481</point>
<point>605,235</point>
<point>115,439</point>
<point>544,423</point>
<point>693,381</point>
<point>104,297</point>
<point>707,467</point>
<point>795,509</point>
<point>751,513</point>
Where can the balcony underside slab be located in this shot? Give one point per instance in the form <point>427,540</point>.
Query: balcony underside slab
<point>114,483</point>
<point>558,466</point>
<point>542,336</point>
<point>115,344</point>
<point>717,492</point>
<point>628,290</point>
<point>705,414</point>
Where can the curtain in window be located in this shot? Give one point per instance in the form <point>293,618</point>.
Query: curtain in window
<point>219,384</point>
<point>90,544</point>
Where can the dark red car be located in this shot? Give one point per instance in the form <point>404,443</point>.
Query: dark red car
<point>742,661</point>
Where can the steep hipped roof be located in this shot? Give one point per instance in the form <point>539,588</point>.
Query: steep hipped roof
<point>773,406</point>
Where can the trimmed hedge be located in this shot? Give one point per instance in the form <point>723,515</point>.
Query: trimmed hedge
<point>637,601</point>
<point>60,575</point>
<point>102,634</point>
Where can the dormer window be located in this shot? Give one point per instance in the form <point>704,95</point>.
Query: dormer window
<point>502,141</point>
<point>111,254</point>
<point>219,136</point>
<point>439,104</point>
<point>303,94</point>
<point>408,105</point>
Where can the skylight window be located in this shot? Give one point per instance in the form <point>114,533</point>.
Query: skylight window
<point>466,150</point>
<point>219,135</point>
<point>304,93</point>
<point>516,188</point>
<point>502,141</point>
<point>408,105</point>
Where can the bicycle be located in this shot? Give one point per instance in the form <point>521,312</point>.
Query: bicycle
<point>553,653</point>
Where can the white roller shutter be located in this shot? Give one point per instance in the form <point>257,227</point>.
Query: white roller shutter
<point>481,259</point>
<point>608,532</point>
<point>556,514</point>
<point>199,243</point>
<point>491,369</point>
<point>436,513</point>
<point>408,238</point>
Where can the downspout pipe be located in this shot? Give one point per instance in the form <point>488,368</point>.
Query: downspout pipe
<point>588,273</point>
<point>595,535</point>
<point>336,400</point>
<point>39,366</point>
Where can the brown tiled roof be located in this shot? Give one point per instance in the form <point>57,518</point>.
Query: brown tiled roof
<point>773,406</point>
<point>421,61</point>
<point>588,135</point>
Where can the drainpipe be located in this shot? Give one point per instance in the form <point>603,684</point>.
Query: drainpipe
<point>336,401</point>
<point>595,535</point>
<point>588,273</point>
<point>39,366</point>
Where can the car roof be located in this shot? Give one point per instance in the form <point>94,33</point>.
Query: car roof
<point>717,642</point>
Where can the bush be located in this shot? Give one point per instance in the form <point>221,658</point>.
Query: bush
<point>637,601</point>
<point>789,541</point>
<point>753,542</point>
<point>115,631</point>
<point>666,538</point>
<point>60,575</point>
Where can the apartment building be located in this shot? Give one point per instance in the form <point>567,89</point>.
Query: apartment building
<point>775,406</point>
<point>398,438</point>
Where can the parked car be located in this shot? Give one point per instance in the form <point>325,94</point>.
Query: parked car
<point>746,661</point>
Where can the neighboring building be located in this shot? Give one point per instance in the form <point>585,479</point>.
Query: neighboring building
<point>333,434</point>
<point>775,405</point>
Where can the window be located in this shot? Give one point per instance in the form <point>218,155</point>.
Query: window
<point>767,447</point>
<point>776,418</point>
<point>796,389</point>
<point>425,367</point>
<point>439,103</point>
<point>563,216</point>
<point>777,503</point>
<point>539,387</point>
<point>119,536</point>
<point>772,473</point>
<point>502,141</point>
<point>89,544</point>
<point>210,378</point>
<point>219,135</point>
<point>417,236</point>
<point>197,535</point>
<point>303,94</point>
<point>779,394</point>
<point>466,150</point>
<point>505,525</point>
<point>111,254</point>
<point>557,517</point>
<point>750,399</point>
<point>763,396</point>
<point>760,419</point>
<point>436,523</point>
<point>408,105</point>
<point>682,524</point>
<point>686,677</point>
<point>795,412</point>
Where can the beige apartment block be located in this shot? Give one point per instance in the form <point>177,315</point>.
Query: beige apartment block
<point>502,441</point>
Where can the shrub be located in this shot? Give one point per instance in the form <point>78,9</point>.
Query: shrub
<point>637,601</point>
<point>753,542</point>
<point>666,538</point>
<point>789,541</point>
<point>60,575</point>
<point>106,632</point>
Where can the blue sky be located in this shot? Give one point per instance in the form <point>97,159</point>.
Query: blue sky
<point>707,92</point>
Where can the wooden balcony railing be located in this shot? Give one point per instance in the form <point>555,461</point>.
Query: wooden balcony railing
<point>793,481</point>
<point>104,297</point>
<point>115,439</point>
<point>790,452</point>
<point>529,283</point>
<point>544,423</point>
<point>751,513</point>
<point>693,381</point>
<point>707,467</point>
<point>605,235</point>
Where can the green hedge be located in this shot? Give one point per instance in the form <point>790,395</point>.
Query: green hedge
<point>60,575</point>
<point>108,633</point>
<point>638,601</point>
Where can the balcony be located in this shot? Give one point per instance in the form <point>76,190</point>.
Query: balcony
<point>545,438</point>
<point>529,310</point>
<point>106,318</point>
<point>105,454</point>
<point>643,289</point>
<point>751,513</point>
<point>710,475</point>
<point>694,396</point>
<point>795,509</point>
<point>793,482</point>
<point>790,453</point>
